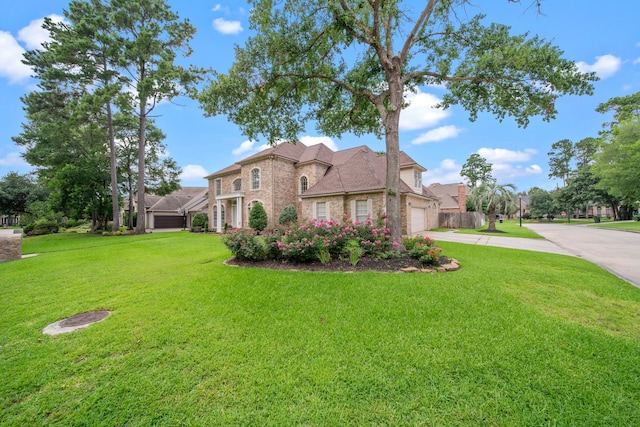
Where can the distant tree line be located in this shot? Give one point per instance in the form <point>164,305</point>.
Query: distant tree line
<point>88,129</point>
<point>596,171</point>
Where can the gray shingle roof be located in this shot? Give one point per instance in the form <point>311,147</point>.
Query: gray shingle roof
<point>184,198</point>
<point>354,170</point>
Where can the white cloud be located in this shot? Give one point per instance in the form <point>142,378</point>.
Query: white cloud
<point>605,66</point>
<point>10,56</point>
<point>437,134</point>
<point>227,27</point>
<point>220,8</point>
<point>421,113</point>
<point>313,140</point>
<point>636,61</point>
<point>504,163</point>
<point>245,147</point>
<point>33,35</point>
<point>448,172</point>
<point>191,172</point>
<point>506,172</point>
<point>11,52</point>
<point>502,155</point>
<point>12,159</point>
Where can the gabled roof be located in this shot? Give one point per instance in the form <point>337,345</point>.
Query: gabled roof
<point>229,169</point>
<point>359,170</point>
<point>185,198</point>
<point>354,170</point>
<point>448,189</point>
<point>297,153</point>
<point>448,194</point>
<point>285,150</point>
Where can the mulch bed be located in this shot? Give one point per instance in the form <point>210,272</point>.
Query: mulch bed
<point>364,264</point>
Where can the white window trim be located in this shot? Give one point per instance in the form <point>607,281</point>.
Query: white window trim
<point>218,186</point>
<point>327,215</point>
<point>300,184</point>
<point>252,181</point>
<point>369,209</point>
<point>417,178</point>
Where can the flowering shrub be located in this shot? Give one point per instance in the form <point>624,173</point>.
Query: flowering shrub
<point>304,242</point>
<point>327,239</point>
<point>423,249</point>
<point>246,245</point>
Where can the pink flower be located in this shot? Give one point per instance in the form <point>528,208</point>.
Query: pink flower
<point>396,244</point>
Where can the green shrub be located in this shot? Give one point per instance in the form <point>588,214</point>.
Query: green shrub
<point>40,227</point>
<point>423,249</point>
<point>271,240</point>
<point>199,220</point>
<point>246,245</point>
<point>258,217</point>
<point>288,216</point>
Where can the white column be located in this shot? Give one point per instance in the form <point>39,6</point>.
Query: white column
<point>240,209</point>
<point>219,216</point>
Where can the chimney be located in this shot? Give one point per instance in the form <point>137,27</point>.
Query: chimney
<point>462,198</point>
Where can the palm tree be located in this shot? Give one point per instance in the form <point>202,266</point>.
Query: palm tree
<point>496,197</point>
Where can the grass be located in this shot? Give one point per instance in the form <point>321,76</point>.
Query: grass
<point>625,225</point>
<point>508,228</point>
<point>508,340</point>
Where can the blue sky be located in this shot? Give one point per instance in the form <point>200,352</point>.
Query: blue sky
<point>601,38</point>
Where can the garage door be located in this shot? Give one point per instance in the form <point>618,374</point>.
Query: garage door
<point>167,221</point>
<point>417,220</point>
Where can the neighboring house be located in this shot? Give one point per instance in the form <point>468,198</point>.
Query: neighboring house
<point>321,184</point>
<point>9,220</point>
<point>523,204</point>
<point>175,210</point>
<point>453,197</point>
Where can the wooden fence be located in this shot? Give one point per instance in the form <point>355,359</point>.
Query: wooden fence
<point>461,219</point>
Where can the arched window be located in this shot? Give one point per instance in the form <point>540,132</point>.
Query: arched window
<point>237,185</point>
<point>304,184</point>
<point>255,179</point>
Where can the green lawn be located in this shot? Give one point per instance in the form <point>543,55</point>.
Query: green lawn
<point>626,225</point>
<point>508,340</point>
<point>508,228</point>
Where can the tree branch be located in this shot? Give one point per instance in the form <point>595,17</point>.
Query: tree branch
<point>408,43</point>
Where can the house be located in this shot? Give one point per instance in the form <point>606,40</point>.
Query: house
<point>321,184</point>
<point>453,197</point>
<point>9,220</point>
<point>175,210</point>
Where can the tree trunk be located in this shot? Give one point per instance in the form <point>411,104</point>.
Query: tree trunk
<point>115,202</point>
<point>140,224</point>
<point>492,219</point>
<point>391,120</point>
<point>130,223</point>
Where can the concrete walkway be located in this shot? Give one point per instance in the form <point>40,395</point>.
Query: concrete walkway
<point>614,250</point>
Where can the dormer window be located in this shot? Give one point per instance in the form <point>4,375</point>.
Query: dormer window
<point>417,179</point>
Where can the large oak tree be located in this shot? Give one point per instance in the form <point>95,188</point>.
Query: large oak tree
<point>347,65</point>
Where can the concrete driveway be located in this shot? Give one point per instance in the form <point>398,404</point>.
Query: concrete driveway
<point>613,250</point>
